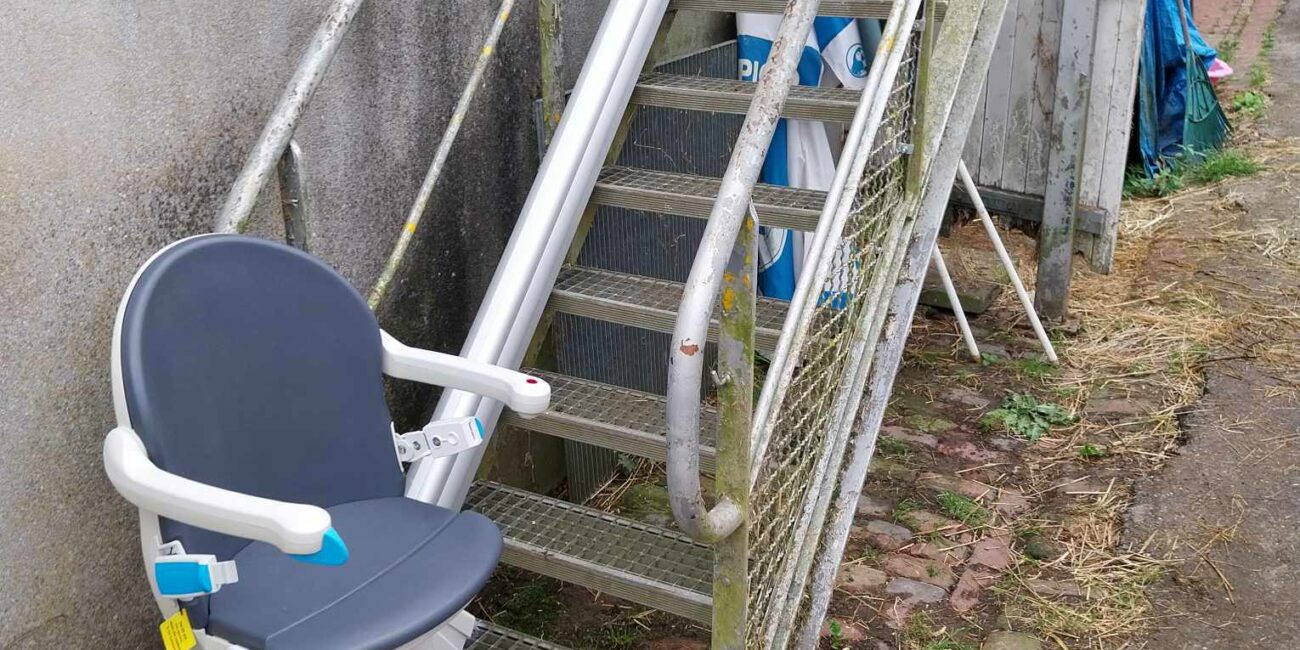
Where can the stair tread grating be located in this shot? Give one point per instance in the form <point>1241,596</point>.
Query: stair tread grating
<point>612,406</point>
<point>720,95</point>
<point>559,528</point>
<point>699,83</point>
<point>702,190</point>
<point>651,293</point>
<point>493,637</point>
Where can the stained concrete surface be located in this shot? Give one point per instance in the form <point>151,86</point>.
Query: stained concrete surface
<point>121,127</point>
<point>1238,476</point>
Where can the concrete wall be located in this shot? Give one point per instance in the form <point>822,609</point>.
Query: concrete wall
<point>122,125</point>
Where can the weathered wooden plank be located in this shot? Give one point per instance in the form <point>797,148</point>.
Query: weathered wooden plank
<point>1104,58</point>
<point>1069,132</point>
<point>975,138</point>
<point>997,104</point>
<point>1129,50</point>
<point>1028,208</point>
<point>1016,158</point>
<point>1048,46</point>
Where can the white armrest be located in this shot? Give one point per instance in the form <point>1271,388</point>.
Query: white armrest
<point>523,394</point>
<point>291,527</point>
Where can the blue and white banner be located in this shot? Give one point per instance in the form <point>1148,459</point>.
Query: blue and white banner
<point>800,154</point>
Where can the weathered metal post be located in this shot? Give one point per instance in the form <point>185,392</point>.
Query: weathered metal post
<point>736,402</point>
<point>551,46</point>
<point>293,196</point>
<point>1065,160</point>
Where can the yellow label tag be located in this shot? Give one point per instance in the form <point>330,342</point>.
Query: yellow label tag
<point>177,633</point>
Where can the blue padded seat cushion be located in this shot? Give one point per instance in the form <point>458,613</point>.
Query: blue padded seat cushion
<point>412,566</point>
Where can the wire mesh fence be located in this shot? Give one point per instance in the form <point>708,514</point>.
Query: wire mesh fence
<point>820,386</point>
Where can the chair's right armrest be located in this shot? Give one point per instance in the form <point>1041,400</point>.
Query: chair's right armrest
<point>297,529</point>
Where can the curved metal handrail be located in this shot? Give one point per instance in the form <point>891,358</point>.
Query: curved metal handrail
<point>686,358</point>
<point>284,118</point>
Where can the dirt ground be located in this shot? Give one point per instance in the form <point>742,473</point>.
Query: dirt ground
<point>1234,487</point>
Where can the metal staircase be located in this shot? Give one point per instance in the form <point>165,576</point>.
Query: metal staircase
<point>658,568</point>
<point>757,565</point>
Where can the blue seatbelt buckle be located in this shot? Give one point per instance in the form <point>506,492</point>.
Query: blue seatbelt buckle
<point>185,576</point>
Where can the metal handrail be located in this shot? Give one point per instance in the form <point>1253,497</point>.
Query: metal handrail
<point>274,140</point>
<point>686,353</point>
<point>544,231</point>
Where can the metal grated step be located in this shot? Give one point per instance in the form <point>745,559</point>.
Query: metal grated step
<point>715,95</point>
<point>692,196</point>
<point>652,566</point>
<point>647,303</point>
<point>491,637</point>
<point>846,8</point>
<point>615,418</point>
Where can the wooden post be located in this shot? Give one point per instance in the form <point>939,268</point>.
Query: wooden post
<point>1065,158</point>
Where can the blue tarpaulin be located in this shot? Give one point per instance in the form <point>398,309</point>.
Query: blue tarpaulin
<point>1162,81</point>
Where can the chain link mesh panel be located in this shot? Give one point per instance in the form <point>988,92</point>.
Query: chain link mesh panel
<point>799,465</point>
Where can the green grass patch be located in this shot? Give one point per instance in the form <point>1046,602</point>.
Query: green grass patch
<point>532,609</point>
<point>903,509</point>
<point>1228,48</point>
<point>1220,165</point>
<point>922,633</point>
<point>1178,173</point>
<point>1026,417</point>
<point>962,508</point>
<point>837,634</point>
<point>1090,451</point>
<point>894,448</point>
<point>1250,103</point>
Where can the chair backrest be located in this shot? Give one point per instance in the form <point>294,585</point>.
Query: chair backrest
<point>252,366</point>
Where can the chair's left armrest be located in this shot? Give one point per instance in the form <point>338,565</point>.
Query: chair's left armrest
<point>299,529</point>
<point>524,394</point>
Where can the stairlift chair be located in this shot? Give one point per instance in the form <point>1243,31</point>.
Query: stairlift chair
<point>253,436</point>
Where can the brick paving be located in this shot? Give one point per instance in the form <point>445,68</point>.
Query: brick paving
<point>1241,21</point>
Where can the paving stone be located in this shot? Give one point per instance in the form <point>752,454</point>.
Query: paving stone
<point>1041,548</point>
<point>994,349</point>
<point>848,632</point>
<point>1010,501</point>
<point>942,550</point>
<point>924,522</point>
<point>910,403</point>
<point>992,552</point>
<point>975,296</point>
<point>966,397</point>
<point>914,591</point>
<point>887,469</point>
<point>1003,640</point>
<point>860,579</point>
<point>947,483</point>
<point>1049,588</point>
<point>1007,444</point>
<point>971,453</point>
<point>903,434</point>
<point>869,506</point>
<point>966,595</point>
<point>886,536</point>
<point>929,423</point>
<point>928,571</point>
